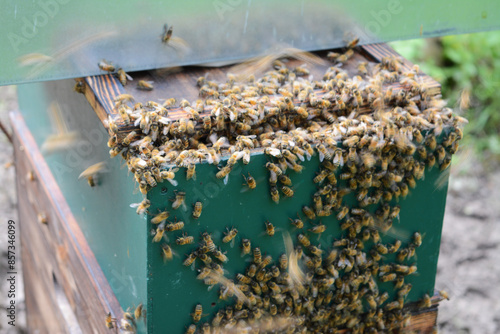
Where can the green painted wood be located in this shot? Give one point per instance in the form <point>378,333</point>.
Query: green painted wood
<point>173,289</point>
<point>113,230</point>
<point>121,240</point>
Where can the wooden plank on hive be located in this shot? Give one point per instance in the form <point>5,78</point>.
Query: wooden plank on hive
<point>101,90</point>
<point>56,251</point>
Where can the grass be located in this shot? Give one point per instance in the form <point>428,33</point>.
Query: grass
<point>466,66</point>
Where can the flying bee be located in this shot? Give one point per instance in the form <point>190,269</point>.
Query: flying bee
<point>142,207</point>
<point>145,85</point>
<point>444,294</point>
<point>198,206</point>
<point>91,172</point>
<point>159,218</point>
<point>251,183</point>
<point>269,228</point>
<point>230,235</point>
<point>184,240</point>
<point>167,252</point>
<point>179,200</point>
<point>167,33</point>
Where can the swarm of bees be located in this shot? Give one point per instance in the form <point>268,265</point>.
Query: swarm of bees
<point>372,140</point>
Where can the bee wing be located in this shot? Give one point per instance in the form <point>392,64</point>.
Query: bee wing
<point>274,152</point>
<point>226,179</point>
<point>165,120</point>
<point>92,170</point>
<point>173,182</point>
<point>321,156</point>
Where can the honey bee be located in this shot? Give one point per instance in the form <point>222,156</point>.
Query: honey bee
<point>298,223</point>
<point>270,229</point>
<point>303,240</point>
<point>224,173</point>
<point>190,259</point>
<point>285,180</point>
<point>184,240</point>
<point>167,252</point>
<point>257,258</point>
<point>197,210</point>
<point>159,218</point>
<point>417,239</point>
<point>287,191</point>
<point>273,168</point>
<point>160,230</point>
<point>309,212</point>
<point>191,329</point>
<point>123,76</point>
<point>319,178</point>
<point>106,66</point>
<point>179,200</point>
<point>142,207</point>
<point>145,85</point>
<point>174,226</point>
<point>251,183</point>
<point>110,321</point>
<point>342,213</point>
<point>446,163</point>
<point>230,235</point>
<point>275,196</point>
<point>198,310</point>
<point>167,33</point>
<point>444,294</point>
<point>425,302</point>
<point>246,246</point>
<point>220,256</point>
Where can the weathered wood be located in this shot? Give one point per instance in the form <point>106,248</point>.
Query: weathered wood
<point>55,250</point>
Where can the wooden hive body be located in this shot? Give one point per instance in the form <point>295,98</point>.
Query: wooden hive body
<point>122,241</point>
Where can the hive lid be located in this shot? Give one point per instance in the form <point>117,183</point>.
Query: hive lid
<point>56,39</point>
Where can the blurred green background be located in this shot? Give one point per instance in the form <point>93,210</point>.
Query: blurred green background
<point>466,66</point>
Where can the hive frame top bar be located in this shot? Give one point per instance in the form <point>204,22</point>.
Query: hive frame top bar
<point>57,39</point>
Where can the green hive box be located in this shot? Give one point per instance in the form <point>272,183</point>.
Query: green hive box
<point>122,240</point>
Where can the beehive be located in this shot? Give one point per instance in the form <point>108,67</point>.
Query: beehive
<point>122,244</point>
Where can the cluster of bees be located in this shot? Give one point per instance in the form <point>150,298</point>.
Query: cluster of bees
<point>372,140</point>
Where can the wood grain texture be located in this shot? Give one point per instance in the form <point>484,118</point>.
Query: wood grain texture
<point>180,83</point>
<point>55,251</point>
